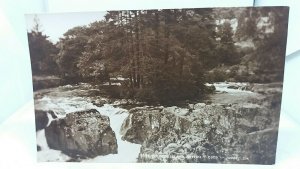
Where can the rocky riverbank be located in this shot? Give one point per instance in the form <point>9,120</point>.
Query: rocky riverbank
<point>237,124</point>
<point>43,82</point>
<point>207,133</point>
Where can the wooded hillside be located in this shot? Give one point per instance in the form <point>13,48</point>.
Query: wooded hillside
<point>168,55</point>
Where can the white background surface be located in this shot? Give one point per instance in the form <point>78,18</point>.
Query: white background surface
<point>17,131</point>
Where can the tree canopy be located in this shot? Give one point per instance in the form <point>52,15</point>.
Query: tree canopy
<point>42,51</point>
<point>166,55</point>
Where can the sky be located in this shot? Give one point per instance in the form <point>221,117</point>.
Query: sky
<point>55,25</point>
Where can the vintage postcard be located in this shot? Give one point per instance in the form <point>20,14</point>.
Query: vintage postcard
<point>199,85</point>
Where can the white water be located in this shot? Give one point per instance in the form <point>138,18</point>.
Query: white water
<point>63,100</point>
<point>225,95</point>
<point>67,99</point>
<point>127,152</point>
<point>223,87</point>
<point>47,154</point>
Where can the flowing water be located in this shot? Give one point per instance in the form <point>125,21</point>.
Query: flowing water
<point>232,93</point>
<point>70,98</point>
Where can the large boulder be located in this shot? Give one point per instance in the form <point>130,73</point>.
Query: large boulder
<point>258,147</point>
<point>82,134</point>
<point>215,133</point>
<point>144,122</point>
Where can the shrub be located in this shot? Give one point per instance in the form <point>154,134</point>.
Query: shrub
<point>146,94</point>
<point>217,76</point>
<point>113,91</point>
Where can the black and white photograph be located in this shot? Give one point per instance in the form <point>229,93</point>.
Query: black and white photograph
<point>190,85</point>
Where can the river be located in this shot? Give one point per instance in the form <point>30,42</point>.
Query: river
<point>233,93</point>
<point>71,98</point>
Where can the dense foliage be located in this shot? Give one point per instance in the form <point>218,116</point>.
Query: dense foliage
<point>42,52</point>
<point>168,55</point>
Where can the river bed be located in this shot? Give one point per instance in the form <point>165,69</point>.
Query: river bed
<point>66,99</point>
<point>71,98</point>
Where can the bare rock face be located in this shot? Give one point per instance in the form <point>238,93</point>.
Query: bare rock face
<point>82,134</point>
<point>41,119</point>
<point>143,123</point>
<point>258,147</point>
<point>215,133</point>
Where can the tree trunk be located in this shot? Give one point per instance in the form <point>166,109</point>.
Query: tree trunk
<point>167,35</point>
